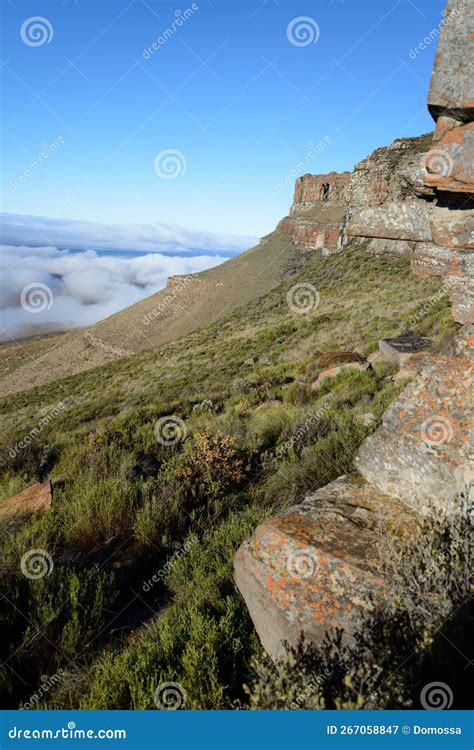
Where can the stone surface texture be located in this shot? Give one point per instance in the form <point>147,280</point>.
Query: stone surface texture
<point>311,568</point>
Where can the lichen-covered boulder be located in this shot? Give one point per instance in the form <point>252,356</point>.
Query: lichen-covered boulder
<point>422,454</point>
<point>315,566</point>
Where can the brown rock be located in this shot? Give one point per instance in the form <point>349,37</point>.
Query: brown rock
<point>453,228</point>
<point>314,567</point>
<point>449,165</point>
<point>314,188</point>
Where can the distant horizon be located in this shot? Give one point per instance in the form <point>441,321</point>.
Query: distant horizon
<point>143,144</point>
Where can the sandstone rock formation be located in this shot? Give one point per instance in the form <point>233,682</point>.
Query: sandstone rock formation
<point>316,215</point>
<point>313,567</point>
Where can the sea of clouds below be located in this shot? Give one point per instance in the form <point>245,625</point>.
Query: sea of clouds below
<point>101,275</point>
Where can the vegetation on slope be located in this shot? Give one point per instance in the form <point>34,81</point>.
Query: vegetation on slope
<point>142,533</point>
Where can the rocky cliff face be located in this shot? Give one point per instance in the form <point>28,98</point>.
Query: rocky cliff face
<point>312,567</point>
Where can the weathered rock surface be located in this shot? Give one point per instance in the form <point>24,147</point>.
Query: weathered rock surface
<point>312,568</point>
<point>452,82</point>
<point>449,165</point>
<point>457,270</point>
<point>30,500</point>
<point>320,188</point>
<point>397,221</point>
<point>453,228</point>
<point>423,451</point>
<point>399,350</point>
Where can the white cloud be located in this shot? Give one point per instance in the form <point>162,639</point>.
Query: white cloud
<point>94,270</point>
<point>85,286</point>
<point>168,239</point>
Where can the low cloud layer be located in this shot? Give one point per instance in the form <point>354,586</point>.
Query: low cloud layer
<point>168,239</point>
<point>52,286</point>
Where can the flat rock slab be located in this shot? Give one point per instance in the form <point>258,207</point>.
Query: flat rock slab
<point>31,500</point>
<point>422,453</point>
<point>399,350</point>
<point>407,221</point>
<point>313,567</point>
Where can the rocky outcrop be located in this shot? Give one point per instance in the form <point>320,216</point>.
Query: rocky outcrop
<point>329,189</point>
<point>316,215</point>
<point>312,568</point>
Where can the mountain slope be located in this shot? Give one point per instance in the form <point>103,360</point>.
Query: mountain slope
<point>185,305</point>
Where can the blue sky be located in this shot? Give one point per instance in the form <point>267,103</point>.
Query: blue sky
<point>227,89</point>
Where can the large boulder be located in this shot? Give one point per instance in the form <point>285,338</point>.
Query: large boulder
<point>315,567</point>
<point>422,453</point>
<point>452,82</point>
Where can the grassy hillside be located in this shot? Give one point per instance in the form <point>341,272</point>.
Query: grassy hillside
<point>175,311</point>
<point>148,511</point>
